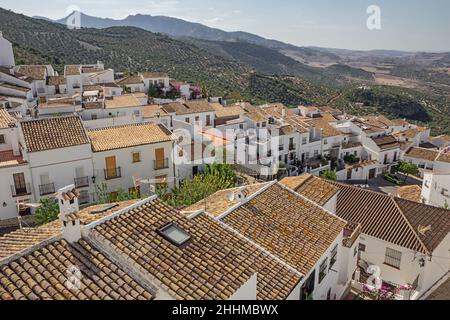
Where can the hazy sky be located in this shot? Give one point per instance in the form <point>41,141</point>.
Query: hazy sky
<point>405,24</point>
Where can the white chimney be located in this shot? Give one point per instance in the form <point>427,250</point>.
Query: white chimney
<point>283,113</point>
<point>68,213</point>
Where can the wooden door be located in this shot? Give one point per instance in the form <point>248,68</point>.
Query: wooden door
<point>111,166</point>
<point>159,156</point>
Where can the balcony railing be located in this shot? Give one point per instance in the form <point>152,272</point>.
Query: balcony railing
<point>81,182</point>
<point>161,164</point>
<point>113,173</point>
<point>21,191</point>
<point>46,189</point>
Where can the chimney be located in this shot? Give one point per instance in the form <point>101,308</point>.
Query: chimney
<point>68,213</point>
<point>283,113</point>
<point>239,195</point>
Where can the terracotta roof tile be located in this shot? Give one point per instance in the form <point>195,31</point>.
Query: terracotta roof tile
<point>128,136</point>
<point>392,219</point>
<point>8,159</point>
<point>386,142</point>
<point>212,265</point>
<point>6,120</point>
<point>37,72</point>
<point>54,133</point>
<point>423,154</point>
<point>315,189</point>
<point>412,193</point>
<point>14,242</point>
<point>43,273</point>
<point>152,111</point>
<point>72,70</point>
<point>130,80</point>
<point>154,75</point>
<point>290,227</point>
<point>219,202</point>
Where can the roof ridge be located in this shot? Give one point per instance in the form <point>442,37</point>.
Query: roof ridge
<point>393,199</point>
<point>125,126</point>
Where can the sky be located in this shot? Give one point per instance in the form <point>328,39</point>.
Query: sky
<point>410,25</point>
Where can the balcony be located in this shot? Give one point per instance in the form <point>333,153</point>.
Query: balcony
<point>21,191</point>
<point>81,182</point>
<point>113,173</point>
<point>46,189</point>
<point>161,164</point>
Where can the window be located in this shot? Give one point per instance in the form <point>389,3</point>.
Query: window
<point>393,258</point>
<point>304,140</point>
<point>187,120</point>
<point>333,258</point>
<point>323,270</point>
<point>325,141</point>
<point>264,124</point>
<point>175,235</point>
<point>197,119</point>
<point>444,192</point>
<point>362,247</point>
<point>208,120</point>
<point>355,251</point>
<point>136,157</point>
<point>2,139</point>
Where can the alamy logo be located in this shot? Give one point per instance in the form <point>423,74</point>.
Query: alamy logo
<point>74,17</point>
<point>374,19</point>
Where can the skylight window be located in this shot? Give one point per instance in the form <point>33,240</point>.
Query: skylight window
<point>175,235</point>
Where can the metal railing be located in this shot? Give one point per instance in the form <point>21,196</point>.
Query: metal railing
<point>161,164</point>
<point>113,173</point>
<point>81,182</point>
<point>45,189</point>
<point>21,191</point>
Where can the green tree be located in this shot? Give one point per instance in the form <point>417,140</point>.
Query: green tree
<point>47,212</point>
<point>407,169</point>
<point>282,170</point>
<point>154,91</point>
<point>329,175</point>
<point>216,177</point>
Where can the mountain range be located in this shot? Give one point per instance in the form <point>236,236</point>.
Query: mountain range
<point>256,70</point>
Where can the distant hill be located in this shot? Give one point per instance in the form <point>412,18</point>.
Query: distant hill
<point>133,49</point>
<point>236,70</point>
<point>179,28</point>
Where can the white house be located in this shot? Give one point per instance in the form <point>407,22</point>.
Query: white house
<point>158,79</point>
<point>125,154</point>
<point>15,179</point>
<point>408,242</point>
<point>263,213</point>
<point>58,151</point>
<point>6,52</point>
<point>384,149</point>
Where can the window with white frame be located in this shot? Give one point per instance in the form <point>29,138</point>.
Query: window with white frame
<point>393,258</point>
<point>323,270</point>
<point>2,139</point>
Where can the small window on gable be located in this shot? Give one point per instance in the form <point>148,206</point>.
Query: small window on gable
<point>175,235</point>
